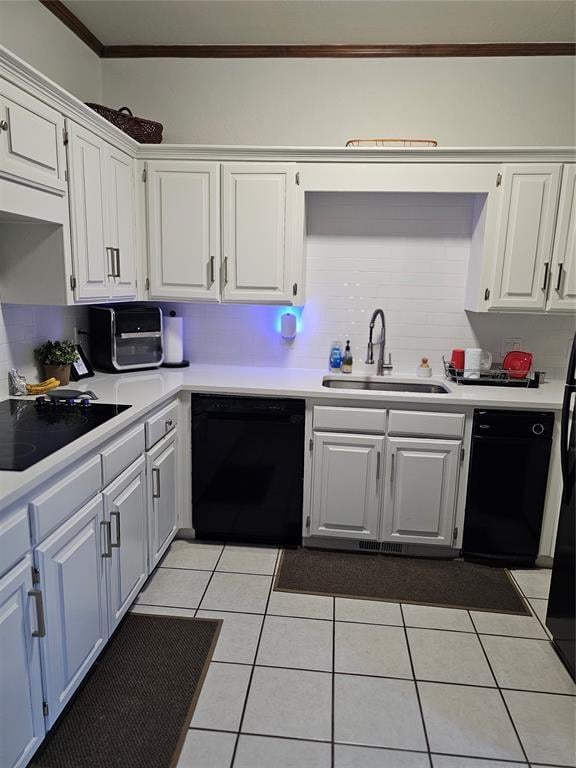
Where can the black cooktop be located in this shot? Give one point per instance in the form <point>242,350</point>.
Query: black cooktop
<point>30,430</point>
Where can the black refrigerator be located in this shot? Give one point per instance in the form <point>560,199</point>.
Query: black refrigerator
<point>561,616</point>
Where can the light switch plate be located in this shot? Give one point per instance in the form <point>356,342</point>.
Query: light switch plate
<point>511,344</point>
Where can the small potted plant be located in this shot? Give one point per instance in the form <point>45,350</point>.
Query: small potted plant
<point>56,358</point>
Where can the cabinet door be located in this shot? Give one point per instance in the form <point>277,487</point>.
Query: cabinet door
<point>420,490</point>
<point>525,234</point>
<point>183,214</point>
<point>258,238</point>
<point>90,251</point>
<point>32,140</point>
<point>125,511</point>
<point>121,224</point>
<point>162,516</point>
<point>346,485</point>
<point>72,578</point>
<point>21,718</point>
<point>563,276</point>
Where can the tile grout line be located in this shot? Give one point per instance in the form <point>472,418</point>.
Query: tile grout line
<point>504,702</point>
<point>237,740</point>
<point>333,702</point>
<point>208,584</point>
<point>416,687</point>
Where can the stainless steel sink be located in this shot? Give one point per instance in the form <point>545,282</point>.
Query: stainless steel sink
<point>383,385</point>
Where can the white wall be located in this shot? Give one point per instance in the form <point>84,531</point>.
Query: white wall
<point>459,102</point>
<point>38,37</point>
<point>405,253</point>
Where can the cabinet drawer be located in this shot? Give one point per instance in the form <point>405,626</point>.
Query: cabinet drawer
<point>64,497</point>
<point>425,423</point>
<point>349,419</point>
<point>14,537</point>
<point>161,423</point>
<point>123,452</point>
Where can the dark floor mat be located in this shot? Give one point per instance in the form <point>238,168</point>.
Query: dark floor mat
<point>447,583</point>
<point>134,709</point>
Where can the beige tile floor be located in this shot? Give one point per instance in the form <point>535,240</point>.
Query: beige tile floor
<point>304,681</point>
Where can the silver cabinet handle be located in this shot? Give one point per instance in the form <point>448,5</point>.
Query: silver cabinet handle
<point>211,266</point>
<point>559,281</point>
<point>168,425</point>
<point>377,468</point>
<point>40,620</point>
<point>546,271</point>
<point>117,270</point>
<point>110,252</point>
<point>108,533</point>
<point>225,270</point>
<point>3,125</point>
<point>116,515</point>
<point>392,468</point>
<point>156,491</point>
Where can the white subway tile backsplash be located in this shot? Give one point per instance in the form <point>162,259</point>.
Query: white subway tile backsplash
<point>24,327</point>
<point>405,253</point>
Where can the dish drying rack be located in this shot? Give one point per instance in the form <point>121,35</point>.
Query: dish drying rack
<point>496,376</point>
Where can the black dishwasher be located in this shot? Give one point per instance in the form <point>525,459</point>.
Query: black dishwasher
<point>247,469</point>
<point>507,486</point>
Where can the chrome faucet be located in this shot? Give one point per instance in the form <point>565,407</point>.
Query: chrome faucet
<point>381,366</point>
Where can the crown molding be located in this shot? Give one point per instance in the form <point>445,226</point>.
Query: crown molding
<point>345,51</point>
<point>384,51</point>
<point>356,155</point>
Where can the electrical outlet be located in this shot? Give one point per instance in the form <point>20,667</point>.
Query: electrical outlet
<point>510,344</point>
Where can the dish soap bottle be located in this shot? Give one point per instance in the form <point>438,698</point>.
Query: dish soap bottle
<point>336,357</point>
<point>347,360</point>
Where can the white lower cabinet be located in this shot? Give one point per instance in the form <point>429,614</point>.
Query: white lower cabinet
<point>72,573</point>
<point>127,553</point>
<point>162,510</point>
<point>392,489</point>
<point>21,718</point>
<point>346,485</point>
<point>420,490</point>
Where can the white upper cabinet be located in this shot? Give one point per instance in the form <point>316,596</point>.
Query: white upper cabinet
<point>525,233</point>
<point>121,239</point>
<point>420,496</point>
<point>346,485</point>
<point>31,140</point>
<point>259,233</point>
<point>102,217</point>
<point>183,214</point>
<point>21,718</point>
<point>562,291</point>
<point>91,256</point>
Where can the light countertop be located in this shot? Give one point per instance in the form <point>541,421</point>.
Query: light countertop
<point>144,391</point>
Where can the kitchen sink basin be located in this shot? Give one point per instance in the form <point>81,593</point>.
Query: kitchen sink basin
<point>383,385</point>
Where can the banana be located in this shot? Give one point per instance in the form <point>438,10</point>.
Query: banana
<point>43,387</point>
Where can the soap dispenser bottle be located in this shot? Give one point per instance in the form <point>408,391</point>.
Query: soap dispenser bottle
<point>347,360</point>
<point>336,357</point>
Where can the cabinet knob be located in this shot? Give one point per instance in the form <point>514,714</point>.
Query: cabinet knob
<point>3,125</point>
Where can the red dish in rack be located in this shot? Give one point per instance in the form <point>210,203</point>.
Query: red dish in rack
<point>517,364</point>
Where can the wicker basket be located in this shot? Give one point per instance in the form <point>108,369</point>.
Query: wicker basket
<point>392,143</point>
<point>144,131</point>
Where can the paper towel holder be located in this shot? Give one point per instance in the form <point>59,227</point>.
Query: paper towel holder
<point>180,364</point>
